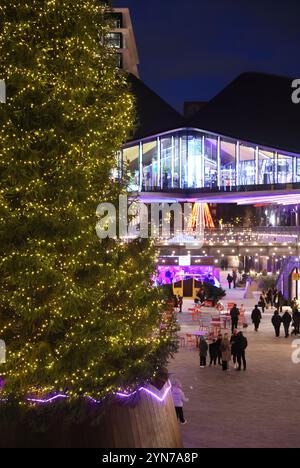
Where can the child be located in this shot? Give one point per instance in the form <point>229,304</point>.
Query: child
<point>179,398</point>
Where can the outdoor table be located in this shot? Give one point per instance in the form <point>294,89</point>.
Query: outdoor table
<point>226,319</point>
<point>198,334</point>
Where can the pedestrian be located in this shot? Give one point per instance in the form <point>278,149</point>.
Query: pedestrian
<point>241,345</point>
<point>213,353</point>
<point>277,321</point>
<point>269,298</point>
<point>233,340</point>
<point>262,303</point>
<point>296,322</point>
<point>180,303</point>
<point>179,398</point>
<point>274,296</point>
<point>203,349</point>
<point>281,301</point>
<point>234,314</point>
<point>286,320</point>
<point>225,349</point>
<point>256,317</point>
<point>230,280</point>
<point>234,278</point>
<point>218,348</point>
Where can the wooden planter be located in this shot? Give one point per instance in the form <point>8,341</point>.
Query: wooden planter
<point>139,422</point>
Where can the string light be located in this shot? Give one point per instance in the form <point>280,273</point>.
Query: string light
<point>78,316</point>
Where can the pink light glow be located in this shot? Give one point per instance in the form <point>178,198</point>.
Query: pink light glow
<point>93,400</point>
<point>146,390</point>
<point>49,400</point>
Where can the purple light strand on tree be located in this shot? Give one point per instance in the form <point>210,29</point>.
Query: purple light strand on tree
<point>93,400</point>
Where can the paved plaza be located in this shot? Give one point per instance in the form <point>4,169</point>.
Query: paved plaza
<point>256,408</point>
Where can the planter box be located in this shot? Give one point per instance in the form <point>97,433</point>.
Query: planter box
<point>140,422</point>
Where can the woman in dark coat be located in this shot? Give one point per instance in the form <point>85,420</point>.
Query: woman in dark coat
<point>256,317</point>
<point>218,345</point>
<point>277,321</point>
<point>262,303</point>
<point>203,349</point>
<point>286,320</point>
<point>296,322</point>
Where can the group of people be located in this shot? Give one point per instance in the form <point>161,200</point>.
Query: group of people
<point>284,318</point>
<point>232,279</point>
<point>287,320</point>
<point>222,349</point>
<point>271,298</point>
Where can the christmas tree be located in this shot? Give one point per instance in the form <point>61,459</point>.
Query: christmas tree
<point>77,314</point>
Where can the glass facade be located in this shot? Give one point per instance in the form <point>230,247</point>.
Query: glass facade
<point>187,159</point>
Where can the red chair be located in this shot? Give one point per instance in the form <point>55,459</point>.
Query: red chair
<point>181,341</point>
<point>191,340</point>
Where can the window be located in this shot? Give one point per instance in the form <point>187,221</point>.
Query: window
<point>116,20</point>
<point>194,173</point>
<point>119,61</point>
<point>228,163</point>
<point>247,165</point>
<point>115,40</point>
<point>151,177</point>
<point>131,166</point>
<point>210,161</point>
<point>285,169</point>
<point>266,167</point>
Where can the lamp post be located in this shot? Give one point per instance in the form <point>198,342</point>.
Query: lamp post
<point>2,92</point>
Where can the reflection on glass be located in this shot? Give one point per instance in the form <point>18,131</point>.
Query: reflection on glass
<point>150,165</point>
<point>228,163</point>
<point>189,159</point>
<point>194,161</point>
<point>167,151</point>
<point>285,169</point>
<point>247,165</point>
<point>266,167</point>
<point>210,161</point>
<point>131,166</point>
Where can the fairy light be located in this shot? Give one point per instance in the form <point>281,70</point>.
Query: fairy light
<point>78,315</point>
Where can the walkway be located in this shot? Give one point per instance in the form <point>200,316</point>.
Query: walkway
<point>257,408</point>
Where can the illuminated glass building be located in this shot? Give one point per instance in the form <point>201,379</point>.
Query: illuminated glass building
<point>246,138</point>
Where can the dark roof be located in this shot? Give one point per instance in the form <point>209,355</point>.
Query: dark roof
<point>154,114</point>
<point>257,108</point>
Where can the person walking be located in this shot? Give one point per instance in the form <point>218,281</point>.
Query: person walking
<point>213,353</point>
<point>277,321</point>
<point>286,320</point>
<point>203,349</point>
<point>256,317</point>
<point>218,348</point>
<point>233,341</point>
<point>262,303</point>
<point>234,314</point>
<point>241,345</point>
<point>179,398</point>
<point>280,301</point>
<point>230,280</point>
<point>225,349</point>
<point>296,322</point>
<point>269,298</point>
<point>274,296</point>
<point>180,303</point>
<point>234,278</point>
